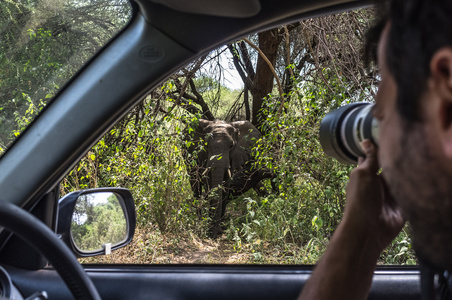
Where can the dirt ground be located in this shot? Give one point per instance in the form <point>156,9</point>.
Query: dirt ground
<point>151,247</point>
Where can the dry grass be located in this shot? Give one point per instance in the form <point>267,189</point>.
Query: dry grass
<point>149,246</point>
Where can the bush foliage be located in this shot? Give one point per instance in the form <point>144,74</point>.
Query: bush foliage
<point>296,221</point>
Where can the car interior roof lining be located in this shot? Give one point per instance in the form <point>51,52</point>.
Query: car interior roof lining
<point>230,8</point>
<point>201,33</point>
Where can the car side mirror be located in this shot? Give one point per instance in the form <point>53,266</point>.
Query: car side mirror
<point>96,221</point>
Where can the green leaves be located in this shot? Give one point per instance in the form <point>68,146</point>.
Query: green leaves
<point>144,155</point>
<point>40,50</point>
<point>317,222</point>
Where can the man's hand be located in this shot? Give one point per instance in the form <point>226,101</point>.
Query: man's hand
<point>371,220</point>
<point>370,210</point>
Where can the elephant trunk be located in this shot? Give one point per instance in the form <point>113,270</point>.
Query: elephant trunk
<point>219,171</point>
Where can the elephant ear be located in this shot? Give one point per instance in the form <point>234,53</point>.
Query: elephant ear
<point>196,134</point>
<point>247,137</point>
<point>202,125</point>
<point>201,129</point>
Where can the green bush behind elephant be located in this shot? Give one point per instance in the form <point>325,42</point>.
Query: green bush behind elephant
<point>219,163</point>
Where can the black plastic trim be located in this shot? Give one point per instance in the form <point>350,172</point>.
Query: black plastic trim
<point>211,282</point>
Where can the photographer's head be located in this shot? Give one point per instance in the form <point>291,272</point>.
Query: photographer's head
<point>414,109</point>
<point>418,29</point>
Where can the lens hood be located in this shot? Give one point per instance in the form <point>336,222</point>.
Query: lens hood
<point>331,139</point>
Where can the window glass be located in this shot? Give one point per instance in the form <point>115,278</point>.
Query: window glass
<point>284,196</point>
<point>42,44</point>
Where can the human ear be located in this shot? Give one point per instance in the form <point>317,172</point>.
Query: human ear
<point>441,75</point>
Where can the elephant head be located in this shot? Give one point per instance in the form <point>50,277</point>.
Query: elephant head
<point>226,147</point>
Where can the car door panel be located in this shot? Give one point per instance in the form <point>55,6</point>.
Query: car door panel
<point>207,282</point>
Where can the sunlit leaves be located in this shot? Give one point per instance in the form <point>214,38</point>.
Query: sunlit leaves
<point>43,43</point>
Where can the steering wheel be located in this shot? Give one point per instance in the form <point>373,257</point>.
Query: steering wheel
<point>38,235</point>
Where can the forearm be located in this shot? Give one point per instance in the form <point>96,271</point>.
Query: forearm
<point>345,270</point>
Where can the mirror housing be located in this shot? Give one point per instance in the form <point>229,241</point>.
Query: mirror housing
<point>72,214</point>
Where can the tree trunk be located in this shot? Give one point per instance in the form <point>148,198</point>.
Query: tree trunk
<point>263,82</point>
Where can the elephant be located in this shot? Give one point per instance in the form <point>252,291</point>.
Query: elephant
<point>220,166</point>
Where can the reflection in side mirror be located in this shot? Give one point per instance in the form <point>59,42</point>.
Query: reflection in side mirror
<point>98,222</point>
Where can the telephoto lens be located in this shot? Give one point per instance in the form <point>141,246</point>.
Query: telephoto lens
<point>343,130</point>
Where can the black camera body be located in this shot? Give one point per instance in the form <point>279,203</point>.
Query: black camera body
<point>343,130</point>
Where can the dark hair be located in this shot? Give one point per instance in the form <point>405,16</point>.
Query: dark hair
<point>418,29</point>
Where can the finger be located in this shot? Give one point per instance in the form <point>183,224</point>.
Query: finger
<point>361,160</point>
<point>370,151</point>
